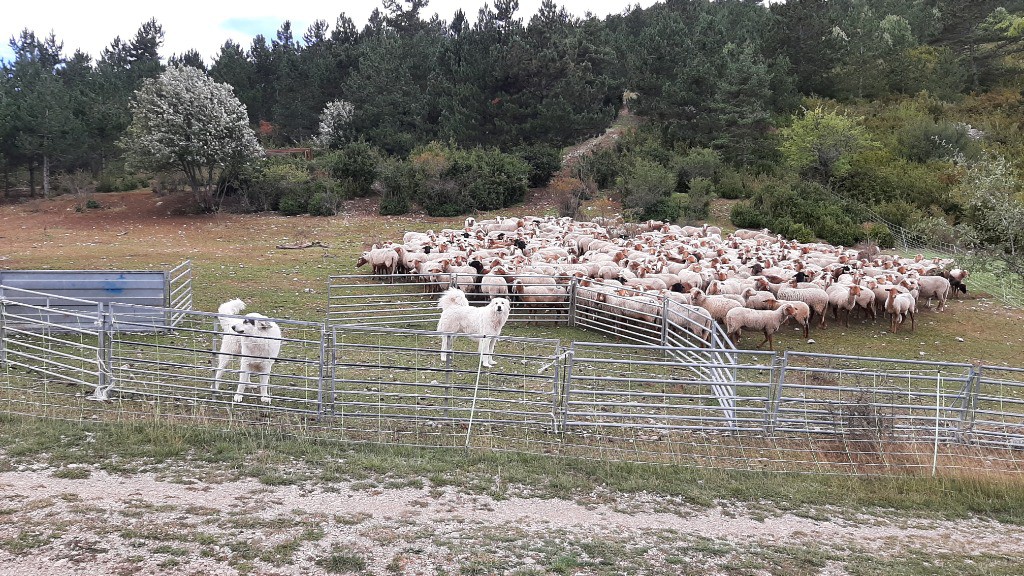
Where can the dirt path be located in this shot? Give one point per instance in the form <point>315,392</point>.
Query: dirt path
<point>107,524</point>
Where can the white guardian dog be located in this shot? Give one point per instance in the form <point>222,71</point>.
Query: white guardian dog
<point>481,323</point>
<point>254,340</point>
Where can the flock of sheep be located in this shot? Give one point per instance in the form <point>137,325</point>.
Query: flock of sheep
<point>748,279</point>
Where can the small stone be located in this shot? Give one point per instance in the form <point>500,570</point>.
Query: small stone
<point>811,341</point>
<point>959,339</point>
<point>921,353</point>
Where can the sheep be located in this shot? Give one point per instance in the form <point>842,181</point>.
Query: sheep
<point>761,300</point>
<point>716,305</point>
<point>865,300</point>
<point>956,281</point>
<point>768,321</point>
<point>538,295</point>
<point>815,298</point>
<point>899,305</point>
<point>494,284</point>
<point>383,260</point>
<point>842,297</point>
<point>933,287</point>
<point>690,320</point>
<point>802,314</point>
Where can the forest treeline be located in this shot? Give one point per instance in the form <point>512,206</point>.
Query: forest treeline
<point>785,106</point>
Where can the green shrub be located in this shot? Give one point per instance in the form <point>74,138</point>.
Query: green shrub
<point>800,232</point>
<point>354,167</point>
<point>698,204</point>
<point>898,212</point>
<point>838,231</point>
<point>701,163</point>
<point>92,204</point>
<point>731,185</point>
<point>666,209</point>
<point>455,181</point>
<point>605,165</point>
<point>642,185</point>
<point>398,183</point>
<point>266,189</point>
<point>745,215</point>
<point>881,234</point>
<point>294,203</point>
<point>108,182</point>
<point>924,139</point>
<point>324,197</point>
<point>543,160</point>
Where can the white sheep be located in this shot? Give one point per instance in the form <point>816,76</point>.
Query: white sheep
<point>690,319</point>
<point>900,305</point>
<point>495,283</point>
<point>802,314</point>
<point>718,306</point>
<point>933,287</point>
<point>843,297</point>
<point>816,298</point>
<point>767,321</point>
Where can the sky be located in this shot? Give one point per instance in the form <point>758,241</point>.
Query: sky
<point>206,25</point>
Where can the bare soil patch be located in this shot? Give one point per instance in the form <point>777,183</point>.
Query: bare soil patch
<point>141,524</point>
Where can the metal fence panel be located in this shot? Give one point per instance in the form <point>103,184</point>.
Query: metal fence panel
<point>66,295</point>
<point>703,404</point>
<point>649,387</point>
<point>996,415</point>
<point>178,368</point>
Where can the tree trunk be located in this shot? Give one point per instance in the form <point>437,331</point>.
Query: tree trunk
<point>46,176</point>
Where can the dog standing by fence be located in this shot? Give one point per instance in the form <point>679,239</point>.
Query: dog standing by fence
<point>483,323</point>
<point>254,340</point>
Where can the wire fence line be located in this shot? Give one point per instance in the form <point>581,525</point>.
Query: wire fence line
<point>625,401</point>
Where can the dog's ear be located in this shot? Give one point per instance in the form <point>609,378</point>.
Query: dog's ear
<point>264,324</point>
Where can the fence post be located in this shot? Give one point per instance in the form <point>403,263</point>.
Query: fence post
<point>573,284</point>
<point>774,394</point>
<point>664,320</point>
<point>972,388</point>
<point>567,386</point>
<point>104,352</point>
<point>3,331</point>
<point>334,363</point>
<point>556,390</point>
<point>321,370</point>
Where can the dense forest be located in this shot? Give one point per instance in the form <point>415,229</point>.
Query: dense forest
<point>819,115</point>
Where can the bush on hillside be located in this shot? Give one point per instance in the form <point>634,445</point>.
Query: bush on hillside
<point>266,188</point>
<point>645,187</point>
<point>543,160</point>
<point>731,186</point>
<point>698,163</point>
<point>698,200</point>
<point>397,185</point>
<point>456,181</point>
<point>353,166</point>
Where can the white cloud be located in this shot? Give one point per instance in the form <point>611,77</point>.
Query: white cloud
<point>205,26</point>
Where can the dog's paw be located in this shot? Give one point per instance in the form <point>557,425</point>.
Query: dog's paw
<point>238,397</point>
<point>265,399</point>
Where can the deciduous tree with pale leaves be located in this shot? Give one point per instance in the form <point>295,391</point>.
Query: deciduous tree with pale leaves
<point>335,124</point>
<point>185,121</point>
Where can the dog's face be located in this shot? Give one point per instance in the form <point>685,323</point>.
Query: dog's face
<point>501,305</point>
<point>253,324</point>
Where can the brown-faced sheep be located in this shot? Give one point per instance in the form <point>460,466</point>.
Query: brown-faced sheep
<point>767,321</point>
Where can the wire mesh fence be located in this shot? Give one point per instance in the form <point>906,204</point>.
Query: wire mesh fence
<point>630,401</point>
